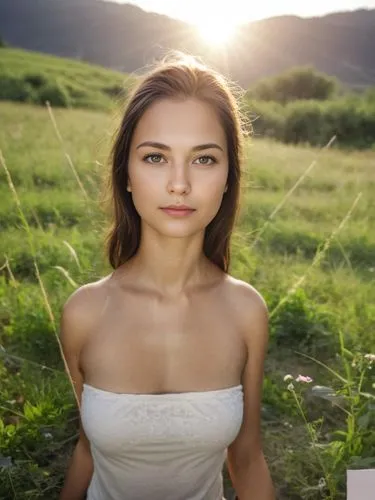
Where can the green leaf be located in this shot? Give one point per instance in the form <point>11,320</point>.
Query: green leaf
<point>324,392</point>
<point>31,411</point>
<point>364,420</point>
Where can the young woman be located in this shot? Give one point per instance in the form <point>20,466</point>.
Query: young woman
<point>166,353</point>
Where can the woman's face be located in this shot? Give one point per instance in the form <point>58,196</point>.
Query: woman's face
<point>178,155</point>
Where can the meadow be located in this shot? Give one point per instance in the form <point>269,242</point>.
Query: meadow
<point>305,239</point>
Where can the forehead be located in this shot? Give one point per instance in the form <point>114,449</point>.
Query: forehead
<point>169,121</point>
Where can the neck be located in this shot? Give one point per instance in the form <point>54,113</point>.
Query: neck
<point>170,266</point>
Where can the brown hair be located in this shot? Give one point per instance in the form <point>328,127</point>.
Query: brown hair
<point>176,76</point>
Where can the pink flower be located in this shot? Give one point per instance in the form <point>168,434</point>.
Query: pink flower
<point>304,379</point>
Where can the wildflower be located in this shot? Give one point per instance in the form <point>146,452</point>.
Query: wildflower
<point>370,357</point>
<point>290,387</point>
<point>288,377</point>
<point>304,379</point>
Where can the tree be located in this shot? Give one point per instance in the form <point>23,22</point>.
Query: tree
<point>302,82</point>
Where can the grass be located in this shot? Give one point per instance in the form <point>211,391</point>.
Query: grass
<point>319,291</point>
<point>86,85</point>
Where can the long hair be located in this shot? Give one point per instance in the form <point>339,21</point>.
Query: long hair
<point>176,76</point>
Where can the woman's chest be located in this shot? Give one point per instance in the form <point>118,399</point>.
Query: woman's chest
<point>147,346</point>
<point>201,420</point>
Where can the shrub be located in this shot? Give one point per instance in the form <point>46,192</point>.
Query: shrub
<point>267,118</point>
<point>353,125</point>
<point>315,123</point>
<point>15,89</point>
<point>303,123</point>
<point>115,91</point>
<point>55,93</point>
<point>299,324</point>
<point>298,83</point>
<point>36,80</point>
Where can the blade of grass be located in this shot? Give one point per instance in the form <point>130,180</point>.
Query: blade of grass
<point>66,154</point>
<point>67,276</point>
<point>11,275</point>
<point>73,253</point>
<point>318,256</point>
<point>289,193</point>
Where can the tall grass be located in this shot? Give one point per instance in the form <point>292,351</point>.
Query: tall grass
<point>37,273</point>
<point>312,263</point>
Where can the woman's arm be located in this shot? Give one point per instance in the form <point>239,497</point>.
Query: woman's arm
<point>79,473</point>
<point>246,464</point>
<point>252,481</point>
<point>73,332</point>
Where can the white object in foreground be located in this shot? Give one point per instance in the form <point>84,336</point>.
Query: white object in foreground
<point>361,484</point>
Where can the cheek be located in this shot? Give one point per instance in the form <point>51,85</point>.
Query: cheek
<point>145,194</point>
<point>142,197</point>
<point>216,202</point>
<point>211,199</point>
<point>141,181</point>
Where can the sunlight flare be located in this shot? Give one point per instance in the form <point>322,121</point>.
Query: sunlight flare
<point>216,32</point>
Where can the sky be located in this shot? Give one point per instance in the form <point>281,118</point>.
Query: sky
<point>242,11</point>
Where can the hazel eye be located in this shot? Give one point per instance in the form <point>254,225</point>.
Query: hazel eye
<point>153,158</point>
<point>206,160</point>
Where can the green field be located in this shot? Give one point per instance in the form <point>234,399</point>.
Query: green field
<point>309,251</point>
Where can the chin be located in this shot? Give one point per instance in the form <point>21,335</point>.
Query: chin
<point>175,233</point>
<point>177,229</point>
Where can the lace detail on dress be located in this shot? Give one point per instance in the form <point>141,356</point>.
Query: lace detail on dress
<point>140,441</point>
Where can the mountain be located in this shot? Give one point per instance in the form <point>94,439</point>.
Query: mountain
<point>126,38</point>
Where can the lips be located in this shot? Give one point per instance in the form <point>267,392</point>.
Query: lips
<point>178,207</point>
<point>179,211</point>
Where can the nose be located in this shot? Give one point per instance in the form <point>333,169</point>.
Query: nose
<point>178,181</point>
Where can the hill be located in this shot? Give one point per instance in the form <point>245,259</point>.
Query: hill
<point>31,74</point>
<point>35,78</point>
<point>126,38</point>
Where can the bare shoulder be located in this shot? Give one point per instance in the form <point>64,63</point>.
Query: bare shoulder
<point>81,310</point>
<point>246,296</point>
<point>250,306</point>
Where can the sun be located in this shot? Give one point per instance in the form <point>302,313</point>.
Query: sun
<point>216,33</point>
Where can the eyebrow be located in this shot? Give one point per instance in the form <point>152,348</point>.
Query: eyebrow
<point>159,145</point>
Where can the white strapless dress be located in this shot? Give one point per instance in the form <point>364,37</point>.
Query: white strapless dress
<point>160,446</point>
